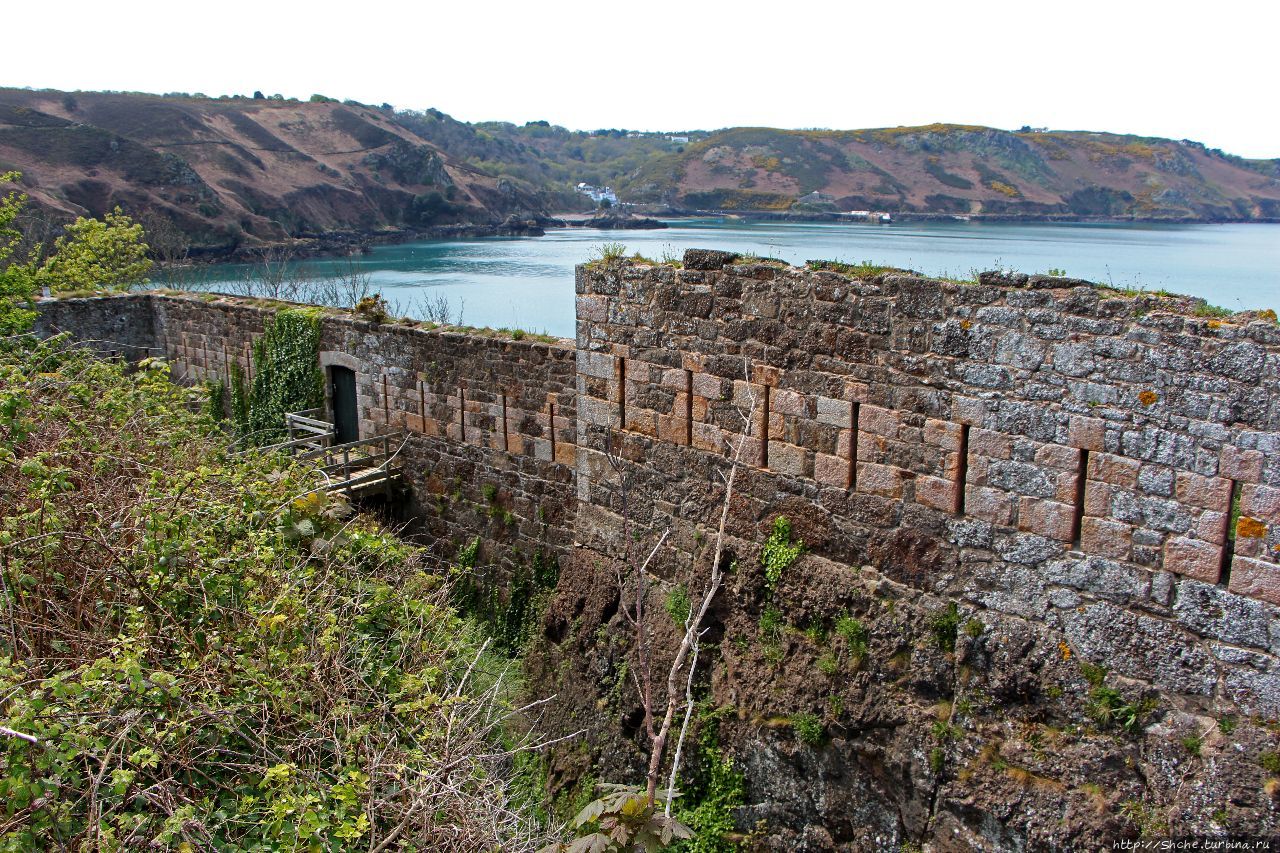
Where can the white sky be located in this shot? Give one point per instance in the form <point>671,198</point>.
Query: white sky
<point>1202,71</point>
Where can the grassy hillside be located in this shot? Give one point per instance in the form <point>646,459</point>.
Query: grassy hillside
<point>961,169</point>
<point>222,173</point>
<point>200,652</point>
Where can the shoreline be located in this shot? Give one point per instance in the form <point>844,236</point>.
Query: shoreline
<point>337,244</point>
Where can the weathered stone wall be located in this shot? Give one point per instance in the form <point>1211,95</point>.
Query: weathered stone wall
<point>483,457</point>
<point>980,407</point>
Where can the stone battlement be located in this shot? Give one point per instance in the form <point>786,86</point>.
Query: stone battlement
<point>1054,416</point>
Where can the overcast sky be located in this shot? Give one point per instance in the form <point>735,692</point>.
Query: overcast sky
<point>1203,71</point>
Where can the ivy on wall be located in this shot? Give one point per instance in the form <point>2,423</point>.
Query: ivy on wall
<point>286,376</point>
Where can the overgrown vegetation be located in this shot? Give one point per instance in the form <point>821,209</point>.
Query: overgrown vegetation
<point>866,269</point>
<point>507,602</point>
<point>201,652</point>
<point>944,625</point>
<point>714,789</point>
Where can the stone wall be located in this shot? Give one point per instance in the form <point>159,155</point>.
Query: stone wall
<point>1056,461</point>
<point>483,456</point>
<point>1043,419</point>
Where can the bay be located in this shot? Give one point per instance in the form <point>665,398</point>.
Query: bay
<point>527,282</point>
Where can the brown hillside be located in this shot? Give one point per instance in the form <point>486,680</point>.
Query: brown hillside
<point>963,170</point>
<point>241,172</point>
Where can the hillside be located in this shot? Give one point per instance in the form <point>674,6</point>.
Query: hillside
<point>953,169</point>
<point>215,176</point>
<point>242,172</point>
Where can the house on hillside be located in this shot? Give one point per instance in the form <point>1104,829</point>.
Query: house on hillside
<point>598,194</point>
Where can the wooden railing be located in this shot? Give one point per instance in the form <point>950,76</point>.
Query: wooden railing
<point>358,465</point>
<point>355,466</point>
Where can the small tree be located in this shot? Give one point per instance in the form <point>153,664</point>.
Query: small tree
<point>107,253</point>
<point>640,817</point>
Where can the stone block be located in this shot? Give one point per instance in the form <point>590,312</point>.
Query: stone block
<point>1211,526</point>
<point>786,402</point>
<point>831,470</point>
<point>878,421</point>
<point>1256,579</point>
<point>672,429</point>
<point>988,504</point>
<point>1193,558</point>
<point>937,493</point>
<point>984,442</point>
<point>597,364</point>
<point>707,259</point>
<point>1260,502</point>
<point>1240,465</point>
<point>844,440</point>
<point>1050,519</point>
<point>1086,433</point>
<point>968,410</point>
<point>674,378</point>
<point>643,422</point>
<point>593,308</point>
<point>708,386</point>
<point>1105,538</point>
<point>789,459</point>
<point>1116,470</point>
<point>834,412</point>
<point>1198,490</point>
<point>1059,457</point>
<point>710,437</point>
<point>566,454</point>
<point>1097,498</point>
<point>939,433</point>
<point>883,480</point>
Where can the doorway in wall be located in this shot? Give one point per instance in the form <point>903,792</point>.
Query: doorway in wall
<point>346,418</point>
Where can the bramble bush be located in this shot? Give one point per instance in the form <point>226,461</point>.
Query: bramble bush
<point>200,651</point>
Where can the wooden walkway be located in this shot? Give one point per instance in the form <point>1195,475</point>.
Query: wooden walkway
<point>353,468</point>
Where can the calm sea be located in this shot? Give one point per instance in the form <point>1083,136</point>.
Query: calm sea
<point>527,282</point>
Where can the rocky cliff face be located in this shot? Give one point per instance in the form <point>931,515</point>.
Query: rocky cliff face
<point>225,174</point>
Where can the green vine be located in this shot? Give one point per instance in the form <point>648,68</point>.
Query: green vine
<point>286,376</point>
<point>507,604</point>
<point>714,790</point>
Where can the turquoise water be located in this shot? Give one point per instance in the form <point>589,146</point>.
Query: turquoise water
<point>527,282</point>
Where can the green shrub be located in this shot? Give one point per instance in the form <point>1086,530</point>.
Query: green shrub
<point>943,625</point>
<point>808,728</point>
<point>854,634</point>
<point>1269,760</point>
<point>828,665</point>
<point>214,628</point>
<point>1093,673</point>
<point>677,604</point>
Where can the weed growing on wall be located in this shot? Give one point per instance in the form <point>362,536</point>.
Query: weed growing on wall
<point>508,605</point>
<point>286,376</point>
<point>779,553</point>
<point>714,790</point>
